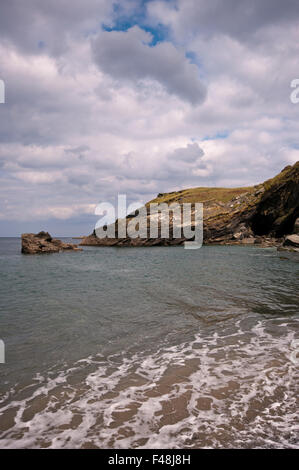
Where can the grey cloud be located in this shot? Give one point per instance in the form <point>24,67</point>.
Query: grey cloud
<point>185,162</point>
<point>78,150</point>
<point>79,179</point>
<point>128,56</point>
<point>237,18</point>
<point>36,26</point>
<point>188,154</point>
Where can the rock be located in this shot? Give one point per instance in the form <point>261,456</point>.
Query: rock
<point>248,241</point>
<point>291,240</point>
<point>260,190</point>
<point>238,235</point>
<point>243,232</point>
<point>42,242</point>
<point>45,236</point>
<point>296,226</point>
<point>288,249</point>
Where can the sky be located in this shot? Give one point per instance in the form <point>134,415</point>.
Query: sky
<point>139,97</point>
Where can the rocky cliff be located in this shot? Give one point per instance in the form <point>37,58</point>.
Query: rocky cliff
<point>42,242</point>
<point>262,214</point>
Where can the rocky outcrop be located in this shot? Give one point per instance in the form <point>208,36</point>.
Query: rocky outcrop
<point>291,243</point>
<point>262,214</point>
<point>292,240</point>
<point>296,226</point>
<point>42,242</point>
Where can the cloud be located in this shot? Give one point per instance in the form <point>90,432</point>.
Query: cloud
<point>187,162</point>
<point>92,113</point>
<point>47,27</point>
<point>188,154</point>
<point>240,19</point>
<point>127,55</point>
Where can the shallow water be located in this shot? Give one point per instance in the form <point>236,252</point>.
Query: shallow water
<point>149,347</point>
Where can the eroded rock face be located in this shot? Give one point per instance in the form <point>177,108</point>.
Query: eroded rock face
<point>278,208</point>
<point>42,242</point>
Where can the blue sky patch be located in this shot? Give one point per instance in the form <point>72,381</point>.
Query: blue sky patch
<point>219,135</point>
<point>123,22</point>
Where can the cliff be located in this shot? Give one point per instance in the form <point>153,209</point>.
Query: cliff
<point>261,214</point>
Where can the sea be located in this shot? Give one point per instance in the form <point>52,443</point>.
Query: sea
<point>149,347</point>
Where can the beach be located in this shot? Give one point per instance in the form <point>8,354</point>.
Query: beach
<point>149,348</point>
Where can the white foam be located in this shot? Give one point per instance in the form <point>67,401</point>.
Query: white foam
<point>246,376</point>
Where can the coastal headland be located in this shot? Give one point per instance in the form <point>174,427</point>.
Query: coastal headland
<point>264,214</point>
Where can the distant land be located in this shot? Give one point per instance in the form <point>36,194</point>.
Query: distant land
<point>262,214</point>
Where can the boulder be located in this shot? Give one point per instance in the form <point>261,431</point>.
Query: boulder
<point>242,232</point>
<point>291,240</point>
<point>248,241</point>
<point>42,242</point>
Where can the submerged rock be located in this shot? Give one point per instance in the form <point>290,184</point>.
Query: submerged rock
<point>42,242</point>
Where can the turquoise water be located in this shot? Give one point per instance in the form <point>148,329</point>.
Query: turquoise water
<point>148,347</point>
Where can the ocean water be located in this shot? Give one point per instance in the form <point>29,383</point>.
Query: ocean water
<point>149,347</point>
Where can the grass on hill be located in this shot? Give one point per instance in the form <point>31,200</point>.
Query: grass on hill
<point>201,194</point>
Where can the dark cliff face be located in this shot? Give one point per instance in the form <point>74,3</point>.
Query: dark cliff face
<point>231,215</point>
<point>278,208</point>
